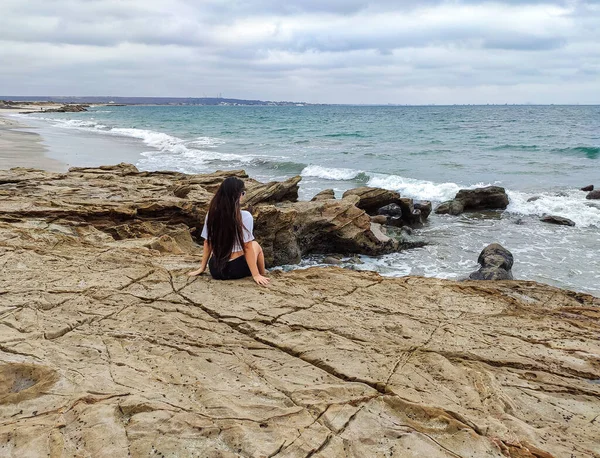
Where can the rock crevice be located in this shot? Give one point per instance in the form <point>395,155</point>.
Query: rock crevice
<point>143,360</point>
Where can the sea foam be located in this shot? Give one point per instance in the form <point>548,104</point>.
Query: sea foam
<point>420,189</point>
<point>167,150</point>
<point>570,204</point>
<point>331,173</point>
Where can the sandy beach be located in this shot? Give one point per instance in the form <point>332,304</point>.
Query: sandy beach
<point>20,146</point>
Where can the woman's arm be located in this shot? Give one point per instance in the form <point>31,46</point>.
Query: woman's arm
<point>251,259</point>
<point>206,252</point>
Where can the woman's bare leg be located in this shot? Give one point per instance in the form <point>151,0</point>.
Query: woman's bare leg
<point>260,258</point>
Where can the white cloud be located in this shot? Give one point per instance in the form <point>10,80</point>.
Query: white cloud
<point>318,51</point>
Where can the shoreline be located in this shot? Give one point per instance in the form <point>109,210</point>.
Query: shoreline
<point>22,146</point>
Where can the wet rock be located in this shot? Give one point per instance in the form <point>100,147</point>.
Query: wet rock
<point>410,215</point>
<point>371,199</point>
<point>553,219</point>
<point>390,210</point>
<point>593,195</point>
<point>407,230</point>
<point>488,198</point>
<point>424,207</point>
<point>332,260</point>
<point>588,188</point>
<point>326,194</point>
<point>450,207</point>
<point>533,199</point>
<point>395,221</point>
<point>496,264</point>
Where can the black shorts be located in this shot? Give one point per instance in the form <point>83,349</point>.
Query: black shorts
<point>238,268</point>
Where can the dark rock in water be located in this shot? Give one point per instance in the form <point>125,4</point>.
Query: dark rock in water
<point>326,194</point>
<point>491,273</point>
<point>589,187</point>
<point>424,207</point>
<point>410,215</point>
<point>519,221</point>
<point>68,109</point>
<point>533,199</point>
<point>390,210</point>
<point>593,194</point>
<point>371,199</point>
<point>553,219</point>
<point>496,263</point>
<point>450,207</point>
<point>407,230</point>
<point>488,198</point>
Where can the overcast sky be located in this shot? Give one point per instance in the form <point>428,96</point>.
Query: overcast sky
<point>327,51</point>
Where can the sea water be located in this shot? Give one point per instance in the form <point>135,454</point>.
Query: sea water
<point>426,153</point>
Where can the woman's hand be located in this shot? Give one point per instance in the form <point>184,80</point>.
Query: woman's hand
<point>260,280</point>
<point>195,273</point>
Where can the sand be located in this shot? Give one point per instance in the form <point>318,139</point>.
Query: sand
<point>21,146</point>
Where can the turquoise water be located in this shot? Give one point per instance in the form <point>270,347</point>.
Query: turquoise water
<point>423,152</point>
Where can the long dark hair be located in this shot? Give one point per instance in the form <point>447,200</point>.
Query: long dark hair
<point>224,223</point>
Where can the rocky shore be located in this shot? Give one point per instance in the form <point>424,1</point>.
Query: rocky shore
<point>108,348</point>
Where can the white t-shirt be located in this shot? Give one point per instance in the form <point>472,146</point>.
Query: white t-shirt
<point>248,227</point>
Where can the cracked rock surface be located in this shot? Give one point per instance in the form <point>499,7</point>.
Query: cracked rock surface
<point>108,349</point>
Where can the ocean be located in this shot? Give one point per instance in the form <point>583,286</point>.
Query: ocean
<point>426,153</point>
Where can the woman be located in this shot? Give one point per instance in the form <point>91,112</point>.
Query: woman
<point>228,237</point>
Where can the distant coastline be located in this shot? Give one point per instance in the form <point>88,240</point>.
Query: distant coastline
<point>115,101</point>
<point>222,101</point>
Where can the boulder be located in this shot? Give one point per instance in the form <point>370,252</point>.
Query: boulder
<point>390,210</point>
<point>593,195</point>
<point>553,219</point>
<point>326,194</point>
<point>287,231</point>
<point>405,213</point>
<point>450,207</point>
<point>496,264</point>
<point>334,260</point>
<point>371,199</point>
<point>424,207</point>
<point>589,187</point>
<point>488,198</point>
<point>410,215</point>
